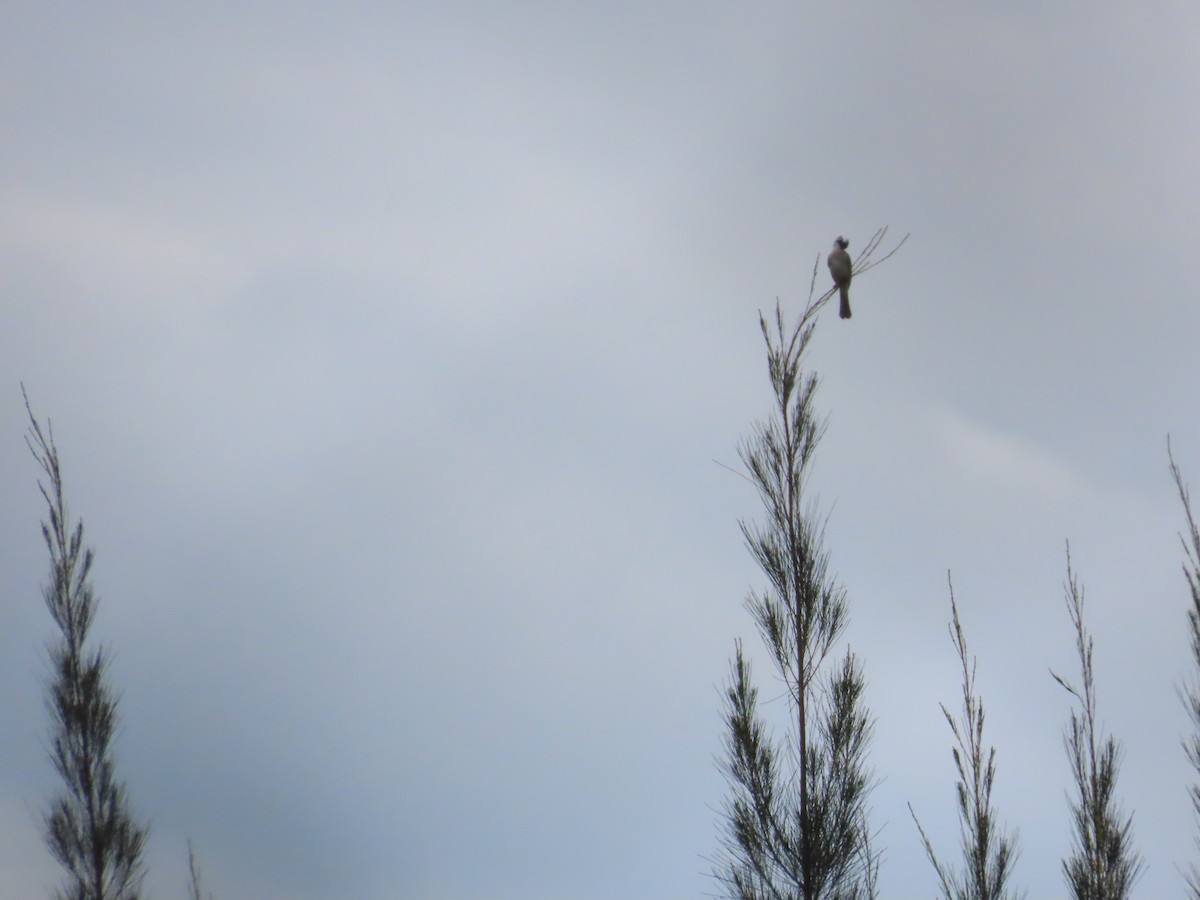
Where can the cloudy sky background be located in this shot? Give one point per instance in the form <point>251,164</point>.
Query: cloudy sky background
<point>391,351</point>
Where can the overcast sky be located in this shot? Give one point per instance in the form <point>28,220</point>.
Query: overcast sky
<point>393,352</point>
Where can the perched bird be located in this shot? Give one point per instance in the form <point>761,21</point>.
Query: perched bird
<point>839,268</point>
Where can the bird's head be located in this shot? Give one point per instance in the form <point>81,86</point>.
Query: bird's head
<point>841,243</point>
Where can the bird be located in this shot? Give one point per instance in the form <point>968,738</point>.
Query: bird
<point>840,268</point>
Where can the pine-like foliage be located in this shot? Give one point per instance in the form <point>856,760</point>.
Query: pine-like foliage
<point>89,828</point>
<point>195,891</point>
<point>1191,689</point>
<point>988,851</point>
<point>797,818</point>
<point>1103,864</point>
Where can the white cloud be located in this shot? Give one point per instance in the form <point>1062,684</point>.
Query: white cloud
<point>1006,464</point>
<point>131,256</point>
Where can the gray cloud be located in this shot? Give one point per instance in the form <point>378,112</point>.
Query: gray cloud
<point>389,352</point>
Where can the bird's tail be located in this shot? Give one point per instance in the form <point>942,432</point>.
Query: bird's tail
<point>845,311</point>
